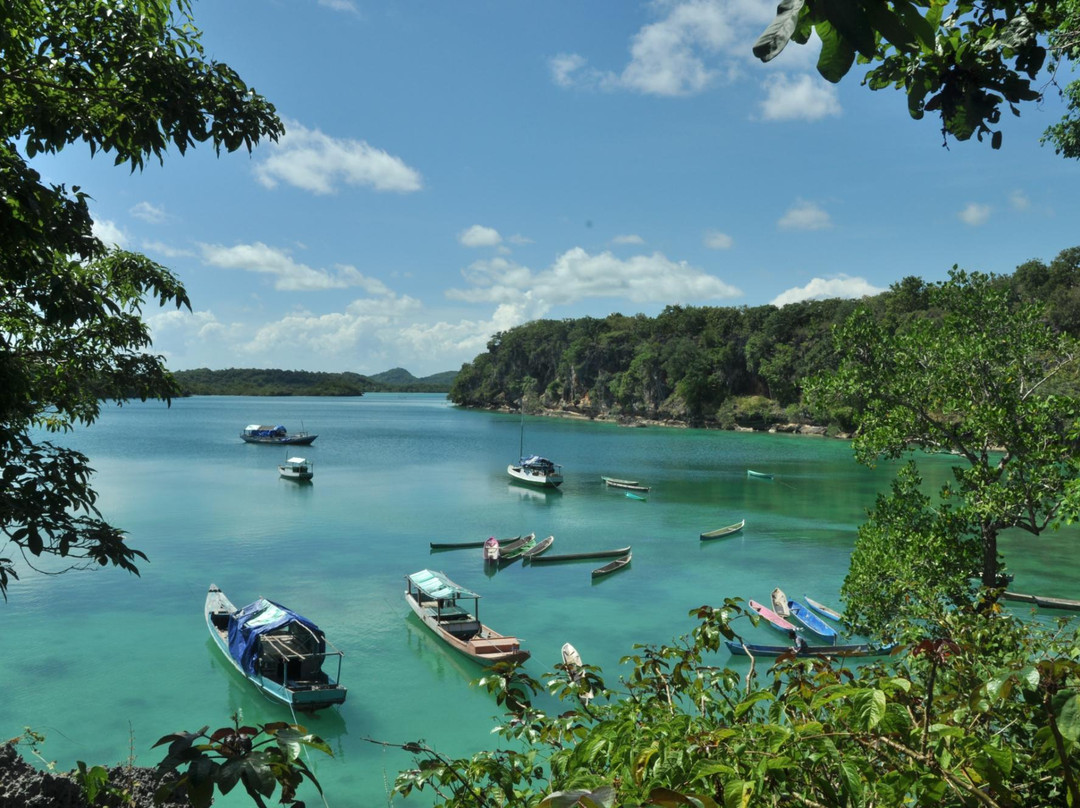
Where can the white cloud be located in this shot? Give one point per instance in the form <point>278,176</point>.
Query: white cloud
<point>289,275</point>
<point>716,240</point>
<point>148,213</point>
<point>165,250</point>
<point>310,160</point>
<point>825,288</point>
<point>517,238</point>
<point>975,214</point>
<point>693,46</point>
<point>803,97</point>
<point>110,233</point>
<point>340,5</point>
<point>805,216</point>
<point>1019,200</point>
<point>629,238</point>
<point>576,275</point>
<point>479,236</point>
<point>564,66</point>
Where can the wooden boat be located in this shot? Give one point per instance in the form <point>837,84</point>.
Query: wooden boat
<point>617,481</point>
<point>812,621</point>
<point>860,649</point>
<point>823,610</point>
<point>720,532</point>
<point>758,474</point>
<point>625,485</point>
<point>436,600</point>
<point>276,435</point>
<point>772,618</point>
<point>538,548</point>
<point>638,497</point>
<point>462,545</point>
<point>1043,602</point>
<point>780,603</point>
<point>514,550</point>
<point>297,468</point>
<point>572,662</point>
<point>544,559</point>
<point>277,650</point>
<point>610,567</point>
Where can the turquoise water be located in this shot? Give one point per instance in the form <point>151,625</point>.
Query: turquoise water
<point>104,663</point>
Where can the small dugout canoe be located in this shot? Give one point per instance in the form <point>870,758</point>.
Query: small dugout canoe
<point>545,559</point>
<point>720,532</point>
<point>612,566</point>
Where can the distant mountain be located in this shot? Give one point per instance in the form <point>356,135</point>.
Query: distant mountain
<point>260,382</point>
<point>399,377</point>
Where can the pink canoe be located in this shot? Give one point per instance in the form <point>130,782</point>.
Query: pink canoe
<point>775,620</point>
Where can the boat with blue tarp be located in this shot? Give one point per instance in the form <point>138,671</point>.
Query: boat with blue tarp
<point>279,651</point>
<point>275,435</point>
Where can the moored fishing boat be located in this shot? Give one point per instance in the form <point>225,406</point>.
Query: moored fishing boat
<point>276,435</point>
<point>538,548</point>
<point>612,566</point>
<point>536,470</point>
<point>773,619</point>
<point>761,475</point>
<point>515,550</point>
<point>545,559</point>
<point>626,485</point>
<point>720,532</point>
<point>276,649</point>
<point>617,481</point>
<point>436,600</point>
<point>812,622</point>
<point>297,468</point>
<point>756,649</point>
<point>823,610</point>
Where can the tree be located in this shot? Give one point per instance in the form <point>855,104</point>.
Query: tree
<point>971,377</point>
<point>959,59</point>
<point>130,80</point>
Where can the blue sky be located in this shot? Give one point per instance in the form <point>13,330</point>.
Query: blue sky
<point>455,169</point>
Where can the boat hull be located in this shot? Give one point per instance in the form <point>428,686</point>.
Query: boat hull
<point>534,478</point>
<point>812,622</point>
<point>772,618</point>
<point>581,556</point>
<point>487,647</point>
<point>307,699</point>
<point>824,610</point>
<point>611,567</point>
<point>756,649</point>
<point>288,440</point>
<point>723,531</point>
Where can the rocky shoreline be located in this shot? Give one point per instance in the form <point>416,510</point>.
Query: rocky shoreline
<point>24,786</point>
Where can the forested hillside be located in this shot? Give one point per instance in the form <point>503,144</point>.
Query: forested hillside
<point>259,382</point>
<point>710,366</point>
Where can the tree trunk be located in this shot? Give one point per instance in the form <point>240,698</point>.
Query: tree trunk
<point>989,565</point>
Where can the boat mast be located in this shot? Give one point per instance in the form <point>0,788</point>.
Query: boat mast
<point>521,437</point>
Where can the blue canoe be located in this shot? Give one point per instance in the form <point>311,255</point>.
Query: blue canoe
<point>812,621</point>
<point>824,610</point>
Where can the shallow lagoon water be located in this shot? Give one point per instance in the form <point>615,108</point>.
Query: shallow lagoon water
<point>104,663</point>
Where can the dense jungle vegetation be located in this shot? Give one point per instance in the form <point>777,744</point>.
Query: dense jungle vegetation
<point>259,382</point>
<point>713,366</point>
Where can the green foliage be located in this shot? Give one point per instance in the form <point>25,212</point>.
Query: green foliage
<point>972,379</point>
<point>258,758</point>
<point>252,382</point>
<point>983,710</point>
<point>127,79</point>
<point>963,61</point>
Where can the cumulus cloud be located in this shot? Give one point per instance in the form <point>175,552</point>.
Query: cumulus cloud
<point>693,46</point>
<point>576,275</point>
<point>974,214</point>
<point>340,5</point>
<point>313,161</point>
<point>805,216</point>
<point>479,236</point>
<point>715,240</point>
<point>148,212</point>
<point>288,274</point>
<point>165,250</point>
<point>825,288</point>
<point>629,238</point>
<point>802,97</point>
<point>110,233</point>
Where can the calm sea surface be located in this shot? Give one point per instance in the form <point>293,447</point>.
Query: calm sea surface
<point>104,663</point>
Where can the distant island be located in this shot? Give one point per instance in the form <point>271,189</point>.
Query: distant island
<point>271,382</point>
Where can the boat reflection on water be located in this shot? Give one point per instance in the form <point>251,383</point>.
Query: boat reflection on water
<point>535,494</point>
<point>443,661</point>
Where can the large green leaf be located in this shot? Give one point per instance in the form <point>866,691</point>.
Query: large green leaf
<point>837,54</point>
<point>778,34</point>
<point>1066,709</point>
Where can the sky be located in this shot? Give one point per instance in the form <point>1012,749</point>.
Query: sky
<point>451,170</point>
